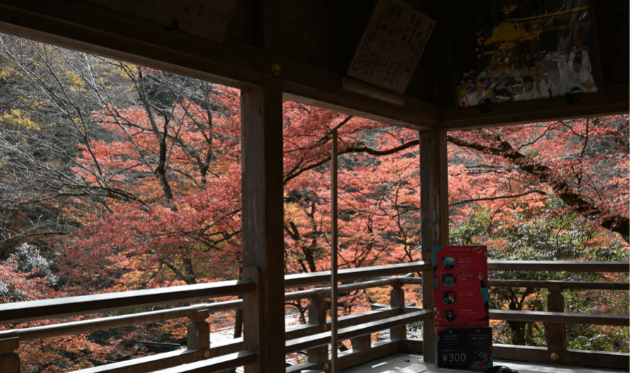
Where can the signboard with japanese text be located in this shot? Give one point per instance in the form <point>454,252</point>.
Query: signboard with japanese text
<point>391,45</point>
<point>460,287</point>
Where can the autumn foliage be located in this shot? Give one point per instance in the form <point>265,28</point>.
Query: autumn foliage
<point>153,191</point>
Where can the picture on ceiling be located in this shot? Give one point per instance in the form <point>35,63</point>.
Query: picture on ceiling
<point>524,50</point>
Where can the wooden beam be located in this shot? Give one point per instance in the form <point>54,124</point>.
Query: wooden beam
<point>434,214</point>
<point>96,29</point>
<point>263,219</point>
<point>613,101</point>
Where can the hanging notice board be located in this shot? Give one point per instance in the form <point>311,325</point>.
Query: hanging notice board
<point>460,289</point>
<point>391,45</point>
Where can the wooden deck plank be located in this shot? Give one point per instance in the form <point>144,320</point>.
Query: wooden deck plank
<point>408,363</point>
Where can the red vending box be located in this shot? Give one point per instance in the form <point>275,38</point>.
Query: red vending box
<point>460,286</point>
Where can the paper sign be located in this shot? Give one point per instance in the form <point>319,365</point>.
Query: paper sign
<point>391,45</point>
<point>460,286</point>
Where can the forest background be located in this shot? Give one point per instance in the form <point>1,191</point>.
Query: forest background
<point>117,177</point>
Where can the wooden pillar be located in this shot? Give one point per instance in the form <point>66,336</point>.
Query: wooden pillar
<point>317,316</point>
<point>9,360</point>
<point>263,219</point>
<point>198,332</point>
<point>397,300</point>
<point>434,215</point>
<point>556,332</point>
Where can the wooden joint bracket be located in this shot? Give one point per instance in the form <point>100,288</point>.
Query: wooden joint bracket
<point>319,297</point>
<point>9,360</point>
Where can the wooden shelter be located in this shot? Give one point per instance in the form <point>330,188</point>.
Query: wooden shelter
<point>301,50</point>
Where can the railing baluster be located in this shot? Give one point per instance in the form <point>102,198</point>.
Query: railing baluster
<point>397,300</point>
<point>199,332</point>
<point>317,316</point>
<point>556,332</point>
<point>9,360</point>
<point>362,343</point>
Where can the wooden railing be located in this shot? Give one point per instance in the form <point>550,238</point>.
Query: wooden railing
<point>313,338</point>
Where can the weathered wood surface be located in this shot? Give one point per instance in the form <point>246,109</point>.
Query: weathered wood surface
<point>410,280</point>
<point>556,333</point>
<point>365,89</point>
<point>263,219</point>
<point>600,359</point>
<point>558,266</point>
<point>321,339</point>
<point>207,18</point>
<point>334,246</point>
<point>123,34</point>
<point>218,364</point>
<point>562,284</point>
<point>414,346</point>
<point>560,317</point>
<point>397,301</point>
<point>323,277</point>
<point>149,363</point>
<point>613,101</point>
<point>412,362</point>
<point>378,350</point>
<point>434,213</point>
<point>304,294</point>
<point>351,358</point>
<point>316,319</point>
<point>301,331</point>
<point>99,30</point>
<point>60,307</point>
<point>87,326</point>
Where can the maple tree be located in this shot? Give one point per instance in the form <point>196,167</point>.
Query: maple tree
<point>150,189</point>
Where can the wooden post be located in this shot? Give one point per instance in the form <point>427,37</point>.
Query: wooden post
<point>397,300</point>
<point>556,332</point>
<point>434,212</point>
<point>9,360</point>
<point>263,219</point>
<point>317,316</point>
<point>334,340</point>
<point>198,332</point>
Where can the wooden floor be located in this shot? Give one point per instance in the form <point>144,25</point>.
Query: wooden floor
<point>412,363</point>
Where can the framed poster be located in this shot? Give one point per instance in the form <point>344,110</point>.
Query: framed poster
<point>518,50</point>
<point>464,348</point>
<point>460,289</point>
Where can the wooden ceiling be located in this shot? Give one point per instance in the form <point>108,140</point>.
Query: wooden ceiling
<point>236,42</point>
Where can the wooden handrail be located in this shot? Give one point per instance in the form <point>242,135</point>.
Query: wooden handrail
<point>323,277</point>
<point>560,317</point>
<point>86,304</point>
<point>558,266</point>
<point>302,294</point>
<point>86,326</point>
<point>354,325</point>
<point>582,285</point>
<point>322,339</point>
